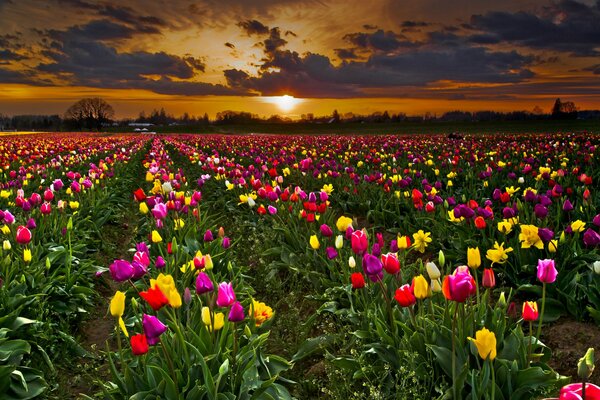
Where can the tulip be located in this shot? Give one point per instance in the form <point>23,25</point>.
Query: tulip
<point>7,246</point>
<point>153,327</point>
<point>530,311</point>
<point>331,253</point>
<point>390,263</point>
<point>546,271</point>
<point>203,283</point>
<point>420,287</point>
<point>213,321</point>
<point>480,222</point>
<point>339,241</point>
<point>160,262</point>
<point>208,236</point>
<point>458,286</point>
<point>261,312</point>
<point>46,208</point>
<point>372,266</point>
<point>473,257</point>
<point>225,295</point>
<point>159,211</point>
<point>23,235</point>
<point>358,280</point>
<point>155,298</point>
<point>432,270</point>
<point>591,238</point>
<point>404,296</point>
<point>343,223</point>
<point>403,242</point>
<point>117,304</point>
<point>326,230</point>
<point>314,242</point>
<point>489,279</point>
<point>351,262</point>
<point>139,344</point>
<point>359,242</point>
<point>155,237</point>
<point>485,341</point>
<point>574,391</point>
<point>139,195</point>
<point>121,270</point>
<point>236,313</point>
<point>26,255</point>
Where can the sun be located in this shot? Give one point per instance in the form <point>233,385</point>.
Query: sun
<point>285,103</point>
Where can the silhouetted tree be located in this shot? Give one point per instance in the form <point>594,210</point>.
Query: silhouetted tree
<point>566,110</point>
<point>89,113</point>
<point>335,117</point>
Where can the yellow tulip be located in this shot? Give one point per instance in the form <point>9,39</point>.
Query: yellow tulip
<point>156,238</point>
<point>420,287</point>
<point>27,255</point>
<point>117,304</point>
<point>143,208</point>
<point>261,312</point>
<point>343,223</point>
<point>486,343</point>
<point>314,242</point>
<point>6,245</point>
<point>217,321</point>
<point>578,226</point>
<point>473,257</point>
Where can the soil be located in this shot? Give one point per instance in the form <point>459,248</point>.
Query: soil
<point>569,340</point>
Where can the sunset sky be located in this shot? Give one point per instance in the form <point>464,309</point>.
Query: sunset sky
<point>207,56</point>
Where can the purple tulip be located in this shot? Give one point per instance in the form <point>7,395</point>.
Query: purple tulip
<point>394,246</point>
<point>160,211</point>
<point>591,238</point>
<point>546,271</point>
<point>530,197</point>
<point>31,223</point>
<point>540,211</point>
<point>208,236</point>
<point>545,234</point>
<point>153,328</point>
<point>160,263</point>
<point>225,295</point>
<point>331,253</point>
<point>121,270</point>
<point>57,184</point>
<point>371,264</point>
<point>596,220</point>
<point>236,313</point>
<point>203,283</point>
<point>326,230</point>
<point>226,242</point>
<point>567,206</point>
<point>272,210</point>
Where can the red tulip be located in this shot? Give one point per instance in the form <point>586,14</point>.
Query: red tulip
<point>480,222</point>
<point>139,344</point>
<point>139,194</point>
<point>359,242</point>
<point>489,279</point>
<point>23,235</point>
<point>404,296</point>
<point>358,280</point>
<point>530,311</point>
<point>390,263</point>
<point>155,298</point>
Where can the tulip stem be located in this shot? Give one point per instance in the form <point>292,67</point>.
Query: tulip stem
<point>539,329</point>
<point>493,380</point>
<point>530,341</point>
<point>454,388</point>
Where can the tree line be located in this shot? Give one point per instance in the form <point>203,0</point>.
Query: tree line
<point>94,114</point>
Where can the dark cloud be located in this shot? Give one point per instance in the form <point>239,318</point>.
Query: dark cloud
<point>379,40</point>
<point>290,33</point>
<point>568,26</point>
<point>313,75</point>
<point>369,27</point>
<point>8,55</point>
<point>129,16</point>
<point>100,30</point>
<point>254,27</point>
<point>593,68</point>
<point>346,54</point>
<point>414,24</point>
<point>230,45</point>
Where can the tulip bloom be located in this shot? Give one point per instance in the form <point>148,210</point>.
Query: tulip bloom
<point>420,287</point>
<point>432,270</point>
<point>314,242</point>
<point>343,223</point>
<point>489,279</point>
<point>213,321</point>
<point>390,263</point>
<point>358,280</point>
<point>23,235</point>
<point>203,283</point>
<point>574,392</point>
<point>404,296</point>
<point>359,242</point>
<point>261,312</point>
<point>156,238</point>
<point>403,242</point>
<point>473,257</point>
<point>155,298</point>
<point>530,311</point>
<point>225,295</point>
<point>236,313</point>
<point>153,327</point>
<point>372,267</point>
<point>121,270</point>
<point>458,286</point>
<point>546,271</point>
<point>26,255</point>
<point>139,344</point>
<point>117,304</point>
<point>486,343</point>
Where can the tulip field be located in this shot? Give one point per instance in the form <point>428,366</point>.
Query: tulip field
<point>296,266</point>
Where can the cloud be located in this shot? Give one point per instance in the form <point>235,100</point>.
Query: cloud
<point>567,26</point>
<point>8,55</point>
<point>346,54</point>
<point>593,68</point>
<point>379,40</point>
<point>254,27</point>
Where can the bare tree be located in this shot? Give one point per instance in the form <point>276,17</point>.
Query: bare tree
<point>90,113</point>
